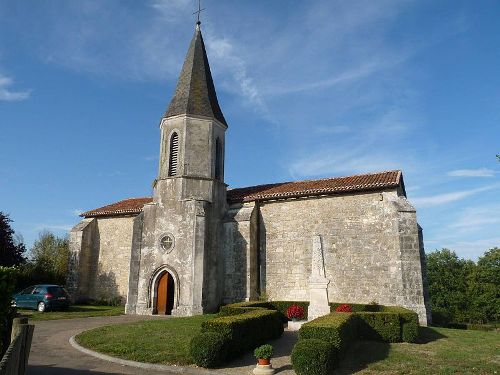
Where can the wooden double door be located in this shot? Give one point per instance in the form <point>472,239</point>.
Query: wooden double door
<point>165,294</point>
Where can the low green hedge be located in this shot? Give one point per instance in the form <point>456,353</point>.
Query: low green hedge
<point>408,320</point>
<point>339,329</point>
<point>208,349</point>
<point>246,331</point>
<point>380,326</point>
<point>313,357</point>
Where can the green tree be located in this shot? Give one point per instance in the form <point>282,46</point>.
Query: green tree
<point>448,285</point>
<point>484,288</point>
<point>11,250</point>
<point>49,261</point>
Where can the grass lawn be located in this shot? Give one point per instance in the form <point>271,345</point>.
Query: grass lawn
<point>75,311</point>
<point>440,351</point>
<point>164,341</point>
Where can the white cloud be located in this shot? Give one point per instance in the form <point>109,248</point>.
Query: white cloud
<point>9,95</point>
<point>440,199</point>
<point>474,218</point>
<point>479,172</point>
<point>76,212</point>
<point>223,55</point>
<point>473,249</point>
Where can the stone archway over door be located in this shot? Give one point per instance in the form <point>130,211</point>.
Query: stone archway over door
<point>165,294</point>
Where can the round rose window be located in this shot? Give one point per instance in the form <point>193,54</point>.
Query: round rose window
<point>167,242</point>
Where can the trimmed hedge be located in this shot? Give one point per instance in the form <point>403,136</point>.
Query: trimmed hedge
<point>8,277</point>
<point>245,331</point>
<point>282,307</point>
<point>381,326</point>
<point>408,321</point>
<point>313,357</point>
<point>339,329</point>
<point>208,349</point>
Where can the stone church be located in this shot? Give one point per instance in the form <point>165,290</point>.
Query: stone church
<point>197,244</point>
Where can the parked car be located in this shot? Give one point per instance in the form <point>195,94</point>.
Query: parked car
<point>42,297</point>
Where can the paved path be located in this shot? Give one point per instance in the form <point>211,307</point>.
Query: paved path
<point>51,353</point>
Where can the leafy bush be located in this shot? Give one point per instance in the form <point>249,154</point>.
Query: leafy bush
<point>344,308</point>
<point>208,349</point>
<point>264,352</point>
<point>246,331</point>
<point>243,307</point>
<point>295,312</point>
<point>313,357</point>
<point>381,326</point>
<point>408,321</point>
<point>7,284</point>
<point>339,329</point>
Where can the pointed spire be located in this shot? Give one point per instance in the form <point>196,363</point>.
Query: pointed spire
<point>195,92</point>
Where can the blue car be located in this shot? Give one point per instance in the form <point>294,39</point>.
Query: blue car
<point>42,297</point>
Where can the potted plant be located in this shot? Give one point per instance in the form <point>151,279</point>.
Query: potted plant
<point>263,354</point>
<point>295,312</point>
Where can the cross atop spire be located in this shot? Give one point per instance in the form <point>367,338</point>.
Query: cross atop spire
<point>198,12</point>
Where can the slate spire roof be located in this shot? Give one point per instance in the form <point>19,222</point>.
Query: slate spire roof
<point>195,92</point>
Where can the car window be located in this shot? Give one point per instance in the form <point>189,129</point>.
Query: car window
<point>27,290</point>
<point>56,291</point>
<point>38,290</point>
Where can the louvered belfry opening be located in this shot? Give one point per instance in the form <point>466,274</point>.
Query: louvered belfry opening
<point>218,159</point>
<point>174,154</point>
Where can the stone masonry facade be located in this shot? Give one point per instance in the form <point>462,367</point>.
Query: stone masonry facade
<point>198,245</point>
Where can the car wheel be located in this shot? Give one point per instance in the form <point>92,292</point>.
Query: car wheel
<point>41,307</point>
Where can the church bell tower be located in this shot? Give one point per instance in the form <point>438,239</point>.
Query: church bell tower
<point>175,267</point>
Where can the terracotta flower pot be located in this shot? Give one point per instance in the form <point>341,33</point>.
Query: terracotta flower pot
<point>264,361</point>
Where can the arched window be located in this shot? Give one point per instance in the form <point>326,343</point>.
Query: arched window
<point>218,159</point>
<point>174,154</point>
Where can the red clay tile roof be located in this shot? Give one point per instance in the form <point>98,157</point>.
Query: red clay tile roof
<point>124,207</point>
<point>283,190</point>
<point>373,181</point>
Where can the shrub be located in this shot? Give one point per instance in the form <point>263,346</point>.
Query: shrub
<point>264,352</point>
<point>344,308</point>
<point>7,283</point>
<point>313,357</point>
<point>339,329</point>
<point>243,307</point>
<point>381,326</point>
<point>246,331</point>
<point>208,349</point>
<point>295,312</point>
<point>408,321</point>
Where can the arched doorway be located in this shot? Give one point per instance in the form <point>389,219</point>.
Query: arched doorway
<point>165,294</point>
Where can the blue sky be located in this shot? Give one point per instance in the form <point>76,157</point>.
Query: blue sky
<point>310,89</point>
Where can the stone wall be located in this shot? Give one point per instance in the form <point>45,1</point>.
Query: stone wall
<point>100,258</point>
<point>366,258</point>
<point>113,258</point>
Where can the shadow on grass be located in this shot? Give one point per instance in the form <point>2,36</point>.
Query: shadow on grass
<point>428,334</point>
<point>363,353</point>
<point>360,354</point>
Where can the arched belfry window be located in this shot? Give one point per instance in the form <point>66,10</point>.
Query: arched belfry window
<point>218,159</point>
<point>174,154</point>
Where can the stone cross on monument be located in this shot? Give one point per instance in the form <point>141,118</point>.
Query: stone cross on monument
<point>318,283</point>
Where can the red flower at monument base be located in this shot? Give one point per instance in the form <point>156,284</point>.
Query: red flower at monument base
<point>344,308</point>
<point>295,312</point>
